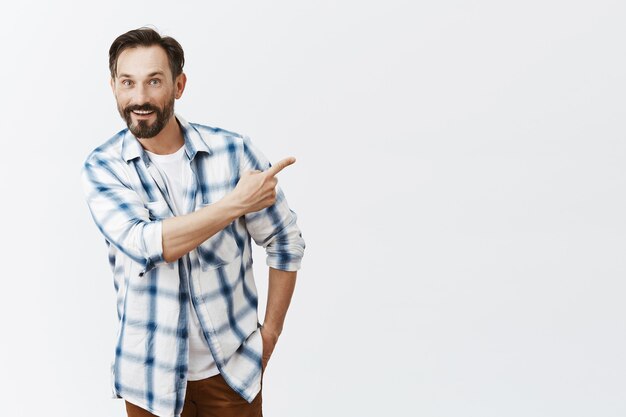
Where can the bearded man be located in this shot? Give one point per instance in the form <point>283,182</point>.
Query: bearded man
<point>178,204</point>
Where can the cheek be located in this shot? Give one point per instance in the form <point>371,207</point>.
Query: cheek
<point>121,104</point>
<point>121,98</point>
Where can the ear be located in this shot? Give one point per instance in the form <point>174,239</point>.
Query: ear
<point>179,84</point>
<point>112,84</point>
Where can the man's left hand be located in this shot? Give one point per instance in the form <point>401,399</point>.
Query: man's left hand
<point>269,343</point>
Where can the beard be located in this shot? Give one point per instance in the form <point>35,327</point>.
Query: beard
<point>143,129</point>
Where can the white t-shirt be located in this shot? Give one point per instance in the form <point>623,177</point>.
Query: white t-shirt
<point>175,170</point>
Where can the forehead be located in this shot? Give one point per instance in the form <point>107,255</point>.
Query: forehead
<point>142,61</point>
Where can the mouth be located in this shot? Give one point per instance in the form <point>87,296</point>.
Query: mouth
<point>142,114</point>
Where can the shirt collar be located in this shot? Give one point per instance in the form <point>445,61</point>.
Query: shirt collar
<point>131,147</point>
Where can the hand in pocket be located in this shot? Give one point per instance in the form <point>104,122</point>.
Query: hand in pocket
<point>269,343</point>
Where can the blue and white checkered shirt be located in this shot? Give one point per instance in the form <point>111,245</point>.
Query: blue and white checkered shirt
<point>128,200</point>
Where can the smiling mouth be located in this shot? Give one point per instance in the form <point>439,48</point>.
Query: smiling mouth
<point>143,112</point>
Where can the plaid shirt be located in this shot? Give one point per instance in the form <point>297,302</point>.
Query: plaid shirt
<point>128,200</point>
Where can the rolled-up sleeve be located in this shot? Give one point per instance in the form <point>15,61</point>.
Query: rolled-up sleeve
<point>275,227</point>
<point>120,214</point>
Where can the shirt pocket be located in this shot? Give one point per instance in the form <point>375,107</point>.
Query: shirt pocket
<point>218,250</point>
<point>158,210</point>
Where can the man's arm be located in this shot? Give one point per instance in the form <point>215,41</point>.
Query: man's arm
<point>122,218</point>
<point>275,228</point>
<point>255,191</point>
<point>182,234</point>
<point>280,290</point>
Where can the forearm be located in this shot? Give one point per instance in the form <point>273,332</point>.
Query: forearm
<point>183,234</point>
<point>254,191</point>
<point>280,289</point>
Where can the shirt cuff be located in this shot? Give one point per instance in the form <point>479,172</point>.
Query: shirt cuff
<point>153,245</point>
<point>285,261</point>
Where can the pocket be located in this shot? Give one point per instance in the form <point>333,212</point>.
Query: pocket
<point>218,250</point>
<point>158,210</point>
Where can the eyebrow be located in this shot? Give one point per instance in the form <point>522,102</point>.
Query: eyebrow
<point>152,74</point>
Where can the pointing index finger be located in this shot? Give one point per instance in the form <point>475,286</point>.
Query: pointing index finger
<point>279,166</point>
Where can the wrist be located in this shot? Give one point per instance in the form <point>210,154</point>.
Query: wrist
<point>270,330</point>
<point>232,206</point>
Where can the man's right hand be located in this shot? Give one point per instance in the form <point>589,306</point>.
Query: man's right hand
<point>256,190</point>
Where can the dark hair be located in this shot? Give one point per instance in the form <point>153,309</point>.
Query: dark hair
<point>146,36</point>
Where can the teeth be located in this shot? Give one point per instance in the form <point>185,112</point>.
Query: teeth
<point>142,111</point>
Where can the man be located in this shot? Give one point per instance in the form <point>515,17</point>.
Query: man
<point>178,204</point>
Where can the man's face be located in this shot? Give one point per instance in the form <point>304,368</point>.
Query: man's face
<point>144,90</point>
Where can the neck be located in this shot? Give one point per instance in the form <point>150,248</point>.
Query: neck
<point>168,141</point>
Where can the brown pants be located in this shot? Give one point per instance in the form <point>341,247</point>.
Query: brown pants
<point>211,397</point>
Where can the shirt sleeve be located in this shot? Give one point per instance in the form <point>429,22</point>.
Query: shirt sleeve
<point>274,227</point>
<point>120,214</point>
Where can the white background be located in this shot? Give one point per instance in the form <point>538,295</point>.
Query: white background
<point>459,184</point>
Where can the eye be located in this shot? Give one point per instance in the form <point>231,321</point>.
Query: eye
<point>126,83</point>
<point>155,81</point>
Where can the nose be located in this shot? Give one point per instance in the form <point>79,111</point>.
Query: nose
<point>141,95</point>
